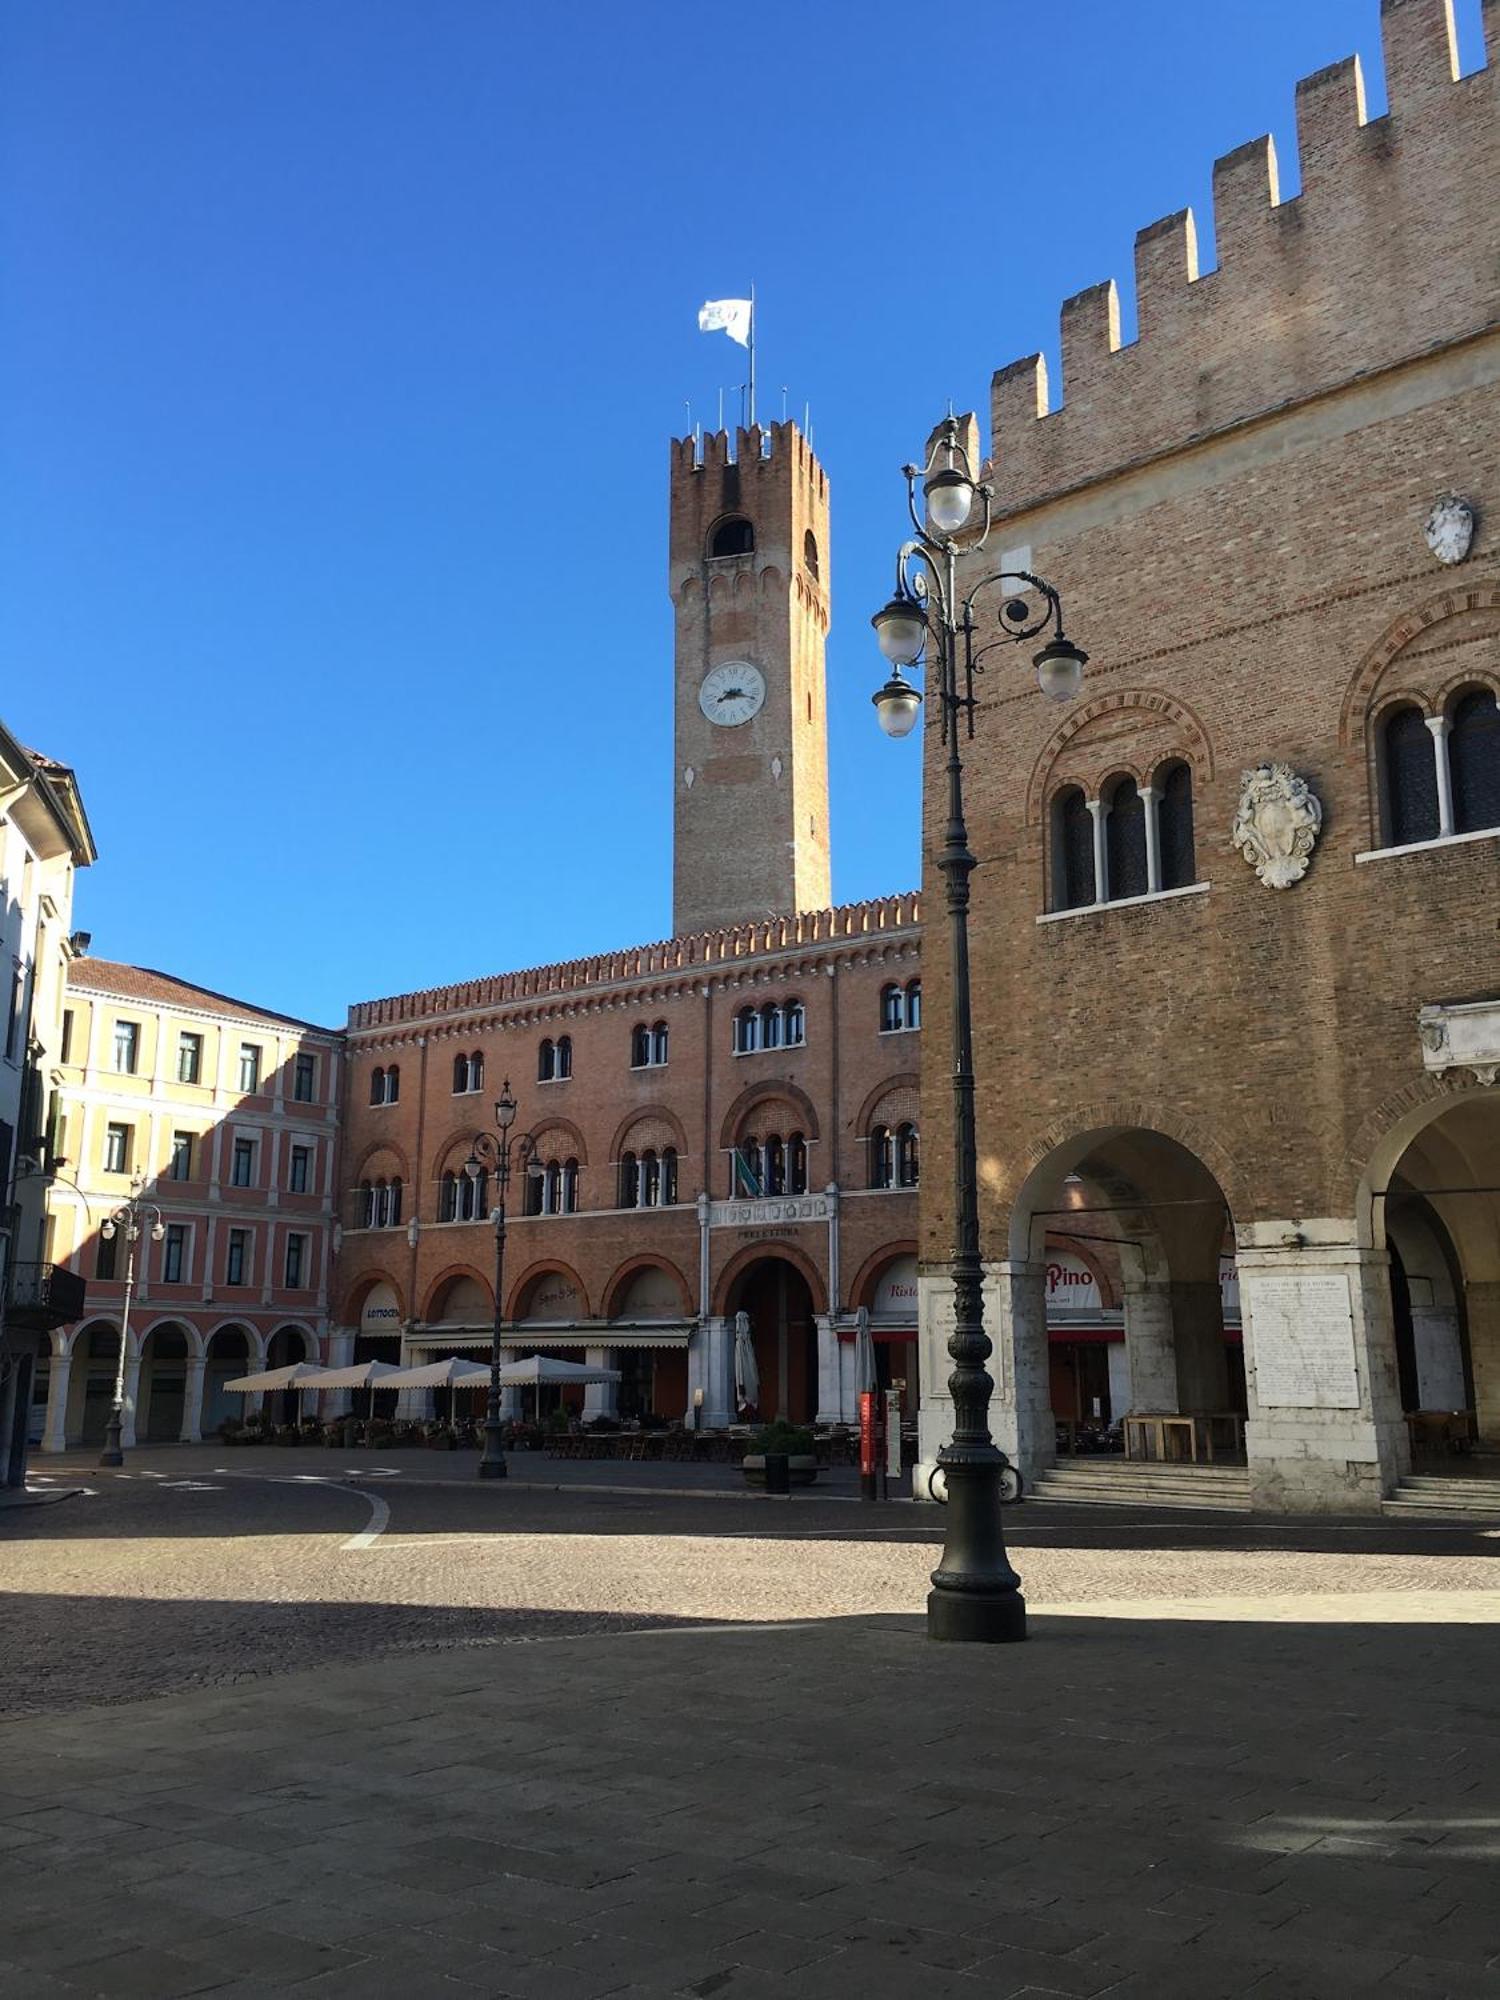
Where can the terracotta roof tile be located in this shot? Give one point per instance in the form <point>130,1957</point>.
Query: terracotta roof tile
<point>142,982</point>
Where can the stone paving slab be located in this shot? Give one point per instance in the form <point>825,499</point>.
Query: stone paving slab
<point>782,1813</point>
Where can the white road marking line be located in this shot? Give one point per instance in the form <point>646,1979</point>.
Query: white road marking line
<point>380,1514</point>
<point>189,1486</point>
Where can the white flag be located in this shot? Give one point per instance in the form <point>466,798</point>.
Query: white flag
<point>731,316</point>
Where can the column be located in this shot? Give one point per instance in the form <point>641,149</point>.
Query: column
<point>1149,1349</point>
<point>1482,1304</point>
<point>132,1398</point>
<point>55,1431</point>
<point>340,1402</point>
<point>1325,1433</point>
<point>1101,851</point>
<point>1198,1339</point>
<point>1015,1318</point>
<point>1149,796</point>
<point>1440,1358</point>
<point>192,1402</point>
<point>600,1399</point>
<point>831,1403</point>
<point>1439,725</point>
<point>711,1369</point>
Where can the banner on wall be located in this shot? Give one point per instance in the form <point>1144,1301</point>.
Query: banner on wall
<point>381,1311</point>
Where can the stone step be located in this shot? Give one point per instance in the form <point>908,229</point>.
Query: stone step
<point>1428,1493</point>
<point>1127,1483</point>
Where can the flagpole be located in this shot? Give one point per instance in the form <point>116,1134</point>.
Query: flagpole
<point>752,357</point>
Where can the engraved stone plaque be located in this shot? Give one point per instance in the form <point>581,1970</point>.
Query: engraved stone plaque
<point>1302,1327</point>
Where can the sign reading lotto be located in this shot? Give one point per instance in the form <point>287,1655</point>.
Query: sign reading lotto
<point>381,1311</point>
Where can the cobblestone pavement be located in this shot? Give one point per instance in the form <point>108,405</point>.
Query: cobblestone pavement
<point>269,1734</point>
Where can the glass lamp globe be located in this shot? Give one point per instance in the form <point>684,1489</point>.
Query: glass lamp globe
<point>1059,668</point>
<point>505,1107</point>
<point>950,500</point>
<point>107,1230</point>
<point>158,1231</point>
<point>900,630</point>
<point>897,704</point>
<point>473,1166</point>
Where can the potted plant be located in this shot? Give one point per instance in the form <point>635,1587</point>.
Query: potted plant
<point>780,1436</point>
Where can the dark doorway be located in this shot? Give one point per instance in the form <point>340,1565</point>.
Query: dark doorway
<point>777,1298</point>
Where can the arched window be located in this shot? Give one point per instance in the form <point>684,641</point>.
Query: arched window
<point>472,1196</point>
<point>892,1010</point>
<point>640,1046</point>
<point>1125,841</point>
<point>734,537</point>
<point>448,1198</point>
<point>907,1162</point>
<point>659,1042</point>
<point>1072,851</point>
<point>476,1070</point>
<point>564,1055</point>
<point>534,1192</point>
<point>552,1188</point>
<point>669,1176</point>
<point>770,1026</point>
<point>629,1188</point>
<point>913,1003</point>
<point>650,1179</point>
<point>810,554</point>
<point>1474,761</point>
<point>570,1187</point>
<point>366,1205</point>
<point>546,1061</point>
<point>775,1174</point>
<point>395,1200</point>
<point>1174,822</point>
<point>794,1024</point>
<point>796,1164</point>
<point>746,1031</point>
<point>393,1084</point>
<point>382,1205</point>
<point>745,1181</point>
<point>377,1086</point>
<point>882,1156</point>
<point>1409,767</point>
<point>460,1075</point>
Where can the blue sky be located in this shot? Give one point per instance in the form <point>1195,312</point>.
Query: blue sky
<point>340,345</point>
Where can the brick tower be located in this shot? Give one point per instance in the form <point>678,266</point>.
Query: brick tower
<point>749,580</point>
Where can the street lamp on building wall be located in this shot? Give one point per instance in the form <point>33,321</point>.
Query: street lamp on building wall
<point>975,1595</point>
<point>492,1154</point>
<point>130,1217</point>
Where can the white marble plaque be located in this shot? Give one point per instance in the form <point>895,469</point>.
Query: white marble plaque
<point>1302,1330</point>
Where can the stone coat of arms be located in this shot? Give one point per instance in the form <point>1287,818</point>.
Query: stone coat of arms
<point>1277,824</point>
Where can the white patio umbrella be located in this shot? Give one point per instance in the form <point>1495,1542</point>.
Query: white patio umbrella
<point>538,1369</point>
<point>864,1351</point>
<point>366,1375</point>
<point>746,1374</point>
<point>453,1373</point>
<point>299,1376</point>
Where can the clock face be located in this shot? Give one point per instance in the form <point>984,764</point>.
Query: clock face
<point>732,693</point>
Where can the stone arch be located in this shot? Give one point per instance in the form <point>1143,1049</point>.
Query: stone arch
<point>360,1288</point>
<point>643,1112</point>
<point>444,1281</point>
<point>1460,683</point>
<point>907,1079</point>
<point>1193,745</point>
<point>1088,1120</point>
<point>560,1136</point>
<point>757,1093</point>
<point>110,1321</point>
<point>1387,1133</point>
<point>255,1340</point>
<point>1394,640</point>
<point>615,1290</point>
<point>458,1141</point>
<point>862,1290</point>
<point>195,1343</point>
<point>372,1155</point>
<point>543,1267</point>
<point>759,1253</point>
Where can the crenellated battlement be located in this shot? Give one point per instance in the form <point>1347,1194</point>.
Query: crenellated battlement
<point>1390,250</point>
<point>749,449</point>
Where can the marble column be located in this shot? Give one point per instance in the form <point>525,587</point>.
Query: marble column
<point>132,1400</point>
<point>830,1371</point>
<point>1198,1338</point>
<point>55,1431</point>
<point>1149,1348</point>
<point>600,1399</point>
<point>711,1369</point>
<point>192,1402</point>
<point>1482,1306</point>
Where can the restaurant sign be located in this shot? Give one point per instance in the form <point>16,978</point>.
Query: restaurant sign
<point>381,1311</point>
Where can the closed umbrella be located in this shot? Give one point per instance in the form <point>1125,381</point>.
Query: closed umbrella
<point>746,1374</point>
<point>864,1351</point>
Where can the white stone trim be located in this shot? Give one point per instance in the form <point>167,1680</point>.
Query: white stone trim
<point>1126,902</point>
<point>1423,846</point>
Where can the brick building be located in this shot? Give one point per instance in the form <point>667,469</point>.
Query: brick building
<point>724,1122</point>
<point>1224,1090</point>
<point>226,1116</point>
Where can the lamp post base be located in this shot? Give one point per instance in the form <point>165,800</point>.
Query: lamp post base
<point>985,1618</point>
<point>492,1464</point>
<point>112,1454</point>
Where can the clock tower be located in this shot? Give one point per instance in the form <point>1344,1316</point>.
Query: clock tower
<point>749,580</point>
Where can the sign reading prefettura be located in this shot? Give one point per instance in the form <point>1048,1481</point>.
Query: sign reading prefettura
<point>776,1208</point>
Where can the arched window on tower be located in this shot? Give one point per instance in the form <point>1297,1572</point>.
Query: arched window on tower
<point>546,1061</point>
<point>794,1024</point>
<point>377,1086</point>
<point>629,1188</point>
<point>564,1056</point>
<point>1174,822</point>
<point>746,1031</point>
<point>882,1156</point>
<point>913,1003</point>
<point>892,1009</point>
<point>366,1205</point>
<point>796,1164</point>
<point>668,1176</point>
<point>1125,841</point>
<point>907,1162</point>
<point>640,1046</point>
<point>393,1084</point>
<point>1474,760</point>
<point>448,1198</point>
<point>1072,850</point>
<point>734,537</point>
<point>395,1200</point>
<point>1409,769</point>
<point>569,1187</point>
<point>810,554</point>
<point>659,1042</point>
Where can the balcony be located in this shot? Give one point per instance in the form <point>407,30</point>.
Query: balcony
<point>43,1296</point>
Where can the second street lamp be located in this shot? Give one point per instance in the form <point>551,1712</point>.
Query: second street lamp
<point>489,1153</point>
<point>129,1216</point>
<point>976,1595</point>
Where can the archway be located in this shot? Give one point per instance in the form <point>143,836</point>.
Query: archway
<point>887,1289</point>
<point>289,1344</point>
<point>91,1388</point>
<point>779,1302</point>
<point>230,1354</point>
<point>1124,1304</point>
<point>161,1397</point>
<point>1436,1210</point>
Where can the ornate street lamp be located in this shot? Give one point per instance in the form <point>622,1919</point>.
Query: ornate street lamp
<point>489,1153</point>
<point>129,1216</point>
<point>975,1595</point>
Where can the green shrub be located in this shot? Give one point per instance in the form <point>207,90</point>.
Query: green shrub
<point>782,1436</point>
